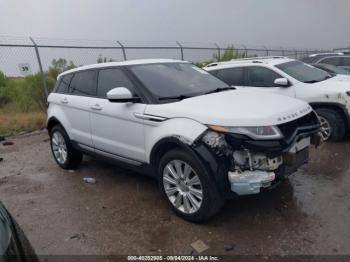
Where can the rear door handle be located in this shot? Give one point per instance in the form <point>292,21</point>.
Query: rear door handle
<point>96,107</point>
<point>64,101</point>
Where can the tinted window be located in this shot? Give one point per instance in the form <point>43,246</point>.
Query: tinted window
<point>175,79</point>
<point>303,72</point>
<point>261,76</point>
<point>332,61</point>
<point>62,87</point>
<point>232,76</point>
<point>111,78</point>
<point>83,83</point>
<point>346,61</point>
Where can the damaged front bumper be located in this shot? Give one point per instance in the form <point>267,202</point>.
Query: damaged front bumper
<point>243,166</point>
<point>252,181</point>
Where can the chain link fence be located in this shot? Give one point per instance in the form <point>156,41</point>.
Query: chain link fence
<point>25,56</point>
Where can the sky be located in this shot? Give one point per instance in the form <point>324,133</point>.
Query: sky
<point>321,24</point>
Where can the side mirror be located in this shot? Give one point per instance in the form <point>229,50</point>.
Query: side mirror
<point>121,95</point>
<point>283,82</point>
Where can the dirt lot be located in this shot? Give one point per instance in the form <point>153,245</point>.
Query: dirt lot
<point>123,212</point>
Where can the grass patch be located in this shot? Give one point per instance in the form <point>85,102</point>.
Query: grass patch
<point>12,123</point>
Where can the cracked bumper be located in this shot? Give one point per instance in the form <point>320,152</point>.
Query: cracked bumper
<point>250,182</point>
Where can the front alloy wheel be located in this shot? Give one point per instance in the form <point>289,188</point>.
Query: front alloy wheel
<point>182,186</point>
<point>326,128</point>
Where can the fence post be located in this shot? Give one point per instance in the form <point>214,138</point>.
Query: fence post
<point>245,51</point>
<point>123,49</point>
<point>181,50</point>
<point>282,49</point>
<point>219,51</point>
<point>266,50</point>
<point>296,53</point>
<point>40,67</point>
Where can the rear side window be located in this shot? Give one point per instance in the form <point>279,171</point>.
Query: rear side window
<point>62,87</point>
<point>346,61</point>
<point>331,61</point>
<point>261,76</point>
<point>111,78</point>
<point>83,83</point>
<point>231,76</point>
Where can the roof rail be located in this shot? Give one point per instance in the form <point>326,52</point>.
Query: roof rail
<point>334,53</point>
<point>261,57</point>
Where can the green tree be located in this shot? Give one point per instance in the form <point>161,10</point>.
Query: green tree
<point>58,66</point>
<point>229,54</point>
<point>101,59</point>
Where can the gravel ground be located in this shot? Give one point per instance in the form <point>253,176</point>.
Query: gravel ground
<point>124,214</point>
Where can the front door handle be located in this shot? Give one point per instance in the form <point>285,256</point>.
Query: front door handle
<point>96,107</point>
<point>64,101</point>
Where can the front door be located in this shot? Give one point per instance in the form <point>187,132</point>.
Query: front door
<point>115,129</point>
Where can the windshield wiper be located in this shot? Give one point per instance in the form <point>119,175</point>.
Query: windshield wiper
<point>311,81</point>
<point>178,97</point>
<point>220,89</point>
<point>315,81</point>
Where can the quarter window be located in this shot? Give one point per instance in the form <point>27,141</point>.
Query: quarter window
<point>111,78</point>
<point>62,87</point>
<point>83,83</point>
<point>261,77</point>
<point>232,76</point>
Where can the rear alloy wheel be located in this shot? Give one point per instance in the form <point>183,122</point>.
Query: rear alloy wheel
<point>65,154</point>
<point>59,147</point>
<point>188,187</point>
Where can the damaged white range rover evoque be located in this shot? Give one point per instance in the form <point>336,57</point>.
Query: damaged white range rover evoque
<point>204,141</point>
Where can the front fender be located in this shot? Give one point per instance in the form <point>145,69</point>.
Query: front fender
<point>183,129</point>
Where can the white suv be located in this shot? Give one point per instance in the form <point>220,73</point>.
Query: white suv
<point>203,140</point>
<point>328,94</point>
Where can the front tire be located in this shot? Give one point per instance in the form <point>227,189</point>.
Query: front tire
<point>186,185</point>
<point>64,153</point>
<point>333,127</point>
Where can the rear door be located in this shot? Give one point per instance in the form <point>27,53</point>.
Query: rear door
<point>231,76</point>
<point>75,103</point>
<point>116,131</point>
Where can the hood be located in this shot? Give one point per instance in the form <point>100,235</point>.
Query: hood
<point>338,83</point>
<point>341,78</point>
<point>234,108</point>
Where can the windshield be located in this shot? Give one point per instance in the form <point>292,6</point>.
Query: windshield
<point>335,69</point>
<point>303,72</point>
<point>176,79</point>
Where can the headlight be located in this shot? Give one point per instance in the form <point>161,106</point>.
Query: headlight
<point>256,132</point>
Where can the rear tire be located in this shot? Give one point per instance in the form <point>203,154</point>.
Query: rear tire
<point>192,195</point>
<point>64,153</point>
<point>333,121</point>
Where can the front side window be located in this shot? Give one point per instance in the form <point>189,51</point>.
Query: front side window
<point>112,78</point>
<point>232,76</point>
<point>332,61</point>
<point>176,79</point>
<point>303,72</point>
<point>261,77</point>
<point>83,83</point>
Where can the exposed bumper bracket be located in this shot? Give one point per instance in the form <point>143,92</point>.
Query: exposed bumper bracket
<point>250,182</point>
